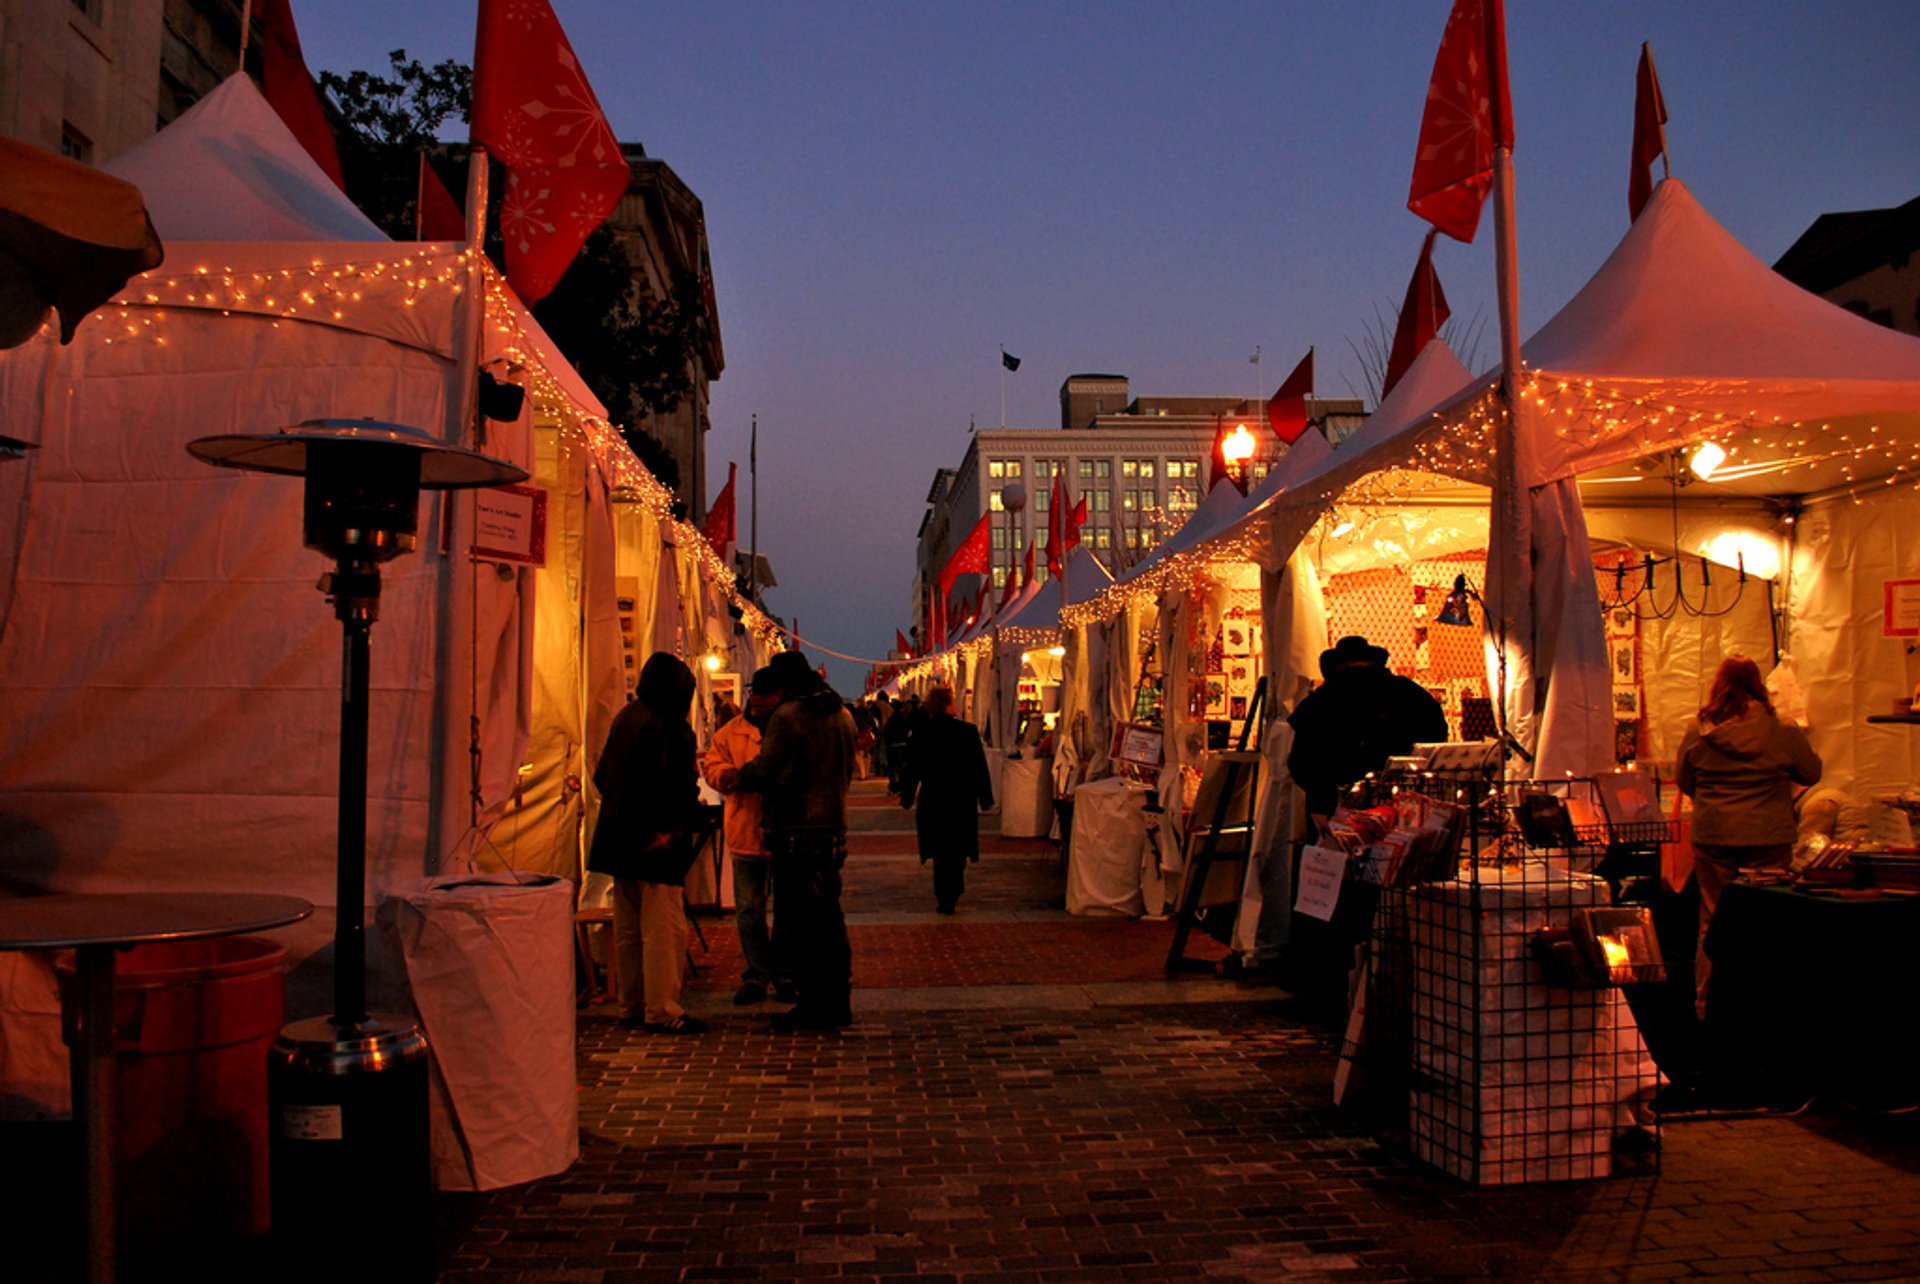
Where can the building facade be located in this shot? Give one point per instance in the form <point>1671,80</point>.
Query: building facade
<point>91,78</point>
<point>1140,464</point>
<point>661,226</point>
<point>1867,261</point>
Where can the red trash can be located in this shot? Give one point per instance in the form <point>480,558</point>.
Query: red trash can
<point>192,1024</point>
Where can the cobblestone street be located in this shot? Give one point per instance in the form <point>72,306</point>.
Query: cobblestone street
<point>1024,1097</point>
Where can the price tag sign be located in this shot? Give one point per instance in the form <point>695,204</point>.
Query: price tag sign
<point>1322,870</point>
<point>1902,614</point>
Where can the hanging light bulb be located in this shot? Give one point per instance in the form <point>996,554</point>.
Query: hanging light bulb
<point>1706,459</point>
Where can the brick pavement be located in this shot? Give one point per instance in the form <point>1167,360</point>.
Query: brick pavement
<point>1023,1098</point>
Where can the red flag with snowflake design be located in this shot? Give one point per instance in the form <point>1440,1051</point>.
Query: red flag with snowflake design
<point>533,108</point>
<point>1469,114</point>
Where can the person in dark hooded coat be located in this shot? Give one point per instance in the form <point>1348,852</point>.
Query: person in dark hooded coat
<point>648,803</point>
<point>946,774</point>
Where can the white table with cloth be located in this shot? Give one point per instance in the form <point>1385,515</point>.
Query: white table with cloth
<point>1107,861</point>
<point>489,961</point>
<point>1026,797</point>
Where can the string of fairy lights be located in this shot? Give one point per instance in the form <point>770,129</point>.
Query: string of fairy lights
<point>345,293</point>
<point>1583,413</point>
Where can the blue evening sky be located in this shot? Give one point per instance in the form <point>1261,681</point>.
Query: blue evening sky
<point>893,190</point>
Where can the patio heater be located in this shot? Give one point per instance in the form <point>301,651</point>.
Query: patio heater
<point>348,1093</point>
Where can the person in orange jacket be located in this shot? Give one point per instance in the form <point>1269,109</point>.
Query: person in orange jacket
<point>734,745</point>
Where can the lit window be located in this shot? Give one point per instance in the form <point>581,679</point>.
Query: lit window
<point>1013,468</point>
<point>995,468</point>
<point>1146,470</point>
<point>993,501</point>
<point>1086,469</point>
<point>1103,468</point>
<point>1133,538</point>
<point>1102,501</point>
<point>1129,501</point>
<point>1103,538</point>
<point>999,537</point>
<point>1041,499</point>
<point>999,577</point>
<point>1129,468</point>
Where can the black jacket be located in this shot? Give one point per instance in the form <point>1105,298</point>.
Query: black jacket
<point>646,776</point>
<point>1352,723</point>
<point>805,766</point>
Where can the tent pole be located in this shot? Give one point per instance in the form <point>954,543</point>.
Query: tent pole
<point>1509,551</point>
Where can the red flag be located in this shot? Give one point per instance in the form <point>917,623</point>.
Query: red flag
<point>533,108</point>
<point>436,215</point>
<point>1008,589</point>
<point>288,86</point>
<point>1287,408</point>
<point>1422,313</point>
<point>1075,520</point>
<point>1469,115</point>
<point>1649,132</point>
<point>719,528</point>
<point>900,645</point>
<point>970,558</point>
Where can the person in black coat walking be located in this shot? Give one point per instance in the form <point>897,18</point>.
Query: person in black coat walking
<point>946,773</point>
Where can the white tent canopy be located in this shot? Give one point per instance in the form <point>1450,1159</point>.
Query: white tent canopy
<point>229,170</point>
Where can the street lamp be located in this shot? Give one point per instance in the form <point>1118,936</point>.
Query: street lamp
<point>350,1091</point>
<point>1237,448</point>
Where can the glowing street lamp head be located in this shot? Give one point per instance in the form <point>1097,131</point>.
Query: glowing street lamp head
<point>1238,447</point>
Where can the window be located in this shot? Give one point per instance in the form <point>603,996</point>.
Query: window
<point>1044,469</point>
<point>1180,500</point>
<point>994,503</point>
<point>999,577</point>
<point>1183,468</point>
<point>1086,470</point>
<point>1129,501</point>
<point>995,468</point>
<point>1103,468</point>
<point>1019,538</point>
<point>999,538</point>
<point>1146,470</point>
<point>1133,538</point>
<point>1102,538</point>
<point>1259,468</point>
<point>1148,538</point>
<point>75,145</point>
<point>1102,501</point>
<point>1042,499</point>
<point>1003,468</point>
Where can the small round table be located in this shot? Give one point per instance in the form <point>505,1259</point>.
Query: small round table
<point>95,926</point>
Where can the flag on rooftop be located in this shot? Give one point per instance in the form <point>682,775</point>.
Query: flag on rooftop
<point>1287,408</point>
<point>1422,313</point>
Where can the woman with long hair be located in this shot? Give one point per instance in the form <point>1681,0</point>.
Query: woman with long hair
<point>1739,763</point>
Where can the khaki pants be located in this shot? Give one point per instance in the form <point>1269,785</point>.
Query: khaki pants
<point>649,948</point>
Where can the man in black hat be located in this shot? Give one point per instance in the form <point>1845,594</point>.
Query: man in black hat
<point>1361,715</point>
<point>802,773</point>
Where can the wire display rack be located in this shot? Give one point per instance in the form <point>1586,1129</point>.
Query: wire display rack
<point>1489,1060</point>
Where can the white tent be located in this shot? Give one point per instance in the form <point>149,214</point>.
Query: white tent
<point>170,674</point>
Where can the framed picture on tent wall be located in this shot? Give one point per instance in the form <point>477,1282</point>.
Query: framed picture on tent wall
<point>1623,660</point>
<point>1622,622</point>
<point>1237,637</point>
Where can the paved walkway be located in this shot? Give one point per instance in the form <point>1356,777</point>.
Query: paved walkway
<point>1024,1097</point>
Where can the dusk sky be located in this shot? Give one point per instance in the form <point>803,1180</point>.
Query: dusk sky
<point>893,191</point>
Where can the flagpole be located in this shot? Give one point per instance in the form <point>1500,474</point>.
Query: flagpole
<point>753,478</point>
<point>1003,387</point>
<point>1508,476</point>
<point>246,29</point>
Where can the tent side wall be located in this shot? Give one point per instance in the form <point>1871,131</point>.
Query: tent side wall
<point>1844,552</point>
